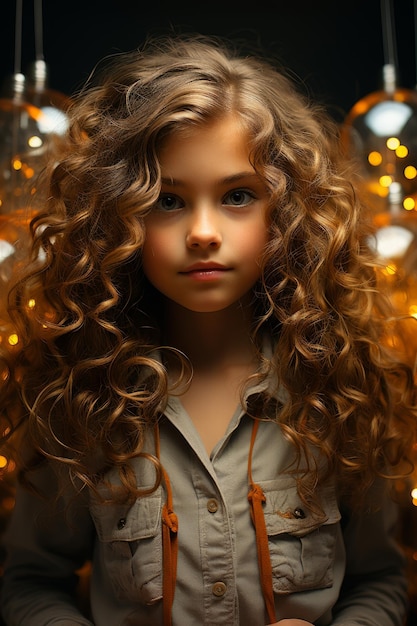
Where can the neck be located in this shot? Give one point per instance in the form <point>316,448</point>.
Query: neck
<point>222,338</point>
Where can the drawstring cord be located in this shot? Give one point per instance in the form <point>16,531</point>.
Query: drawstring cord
<point>256,497</point>
<point>169,543</point>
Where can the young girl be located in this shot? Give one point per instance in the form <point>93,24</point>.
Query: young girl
<point>208,414</point>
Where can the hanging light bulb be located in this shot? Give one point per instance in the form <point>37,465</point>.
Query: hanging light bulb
<point>23,148</point>
<point>32,117</point>
<point>380,131</point>
<point>21,152</point>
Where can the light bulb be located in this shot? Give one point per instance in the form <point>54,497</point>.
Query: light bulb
<point>23,149</point>
<point>30,120</point>
<point>380,133</point>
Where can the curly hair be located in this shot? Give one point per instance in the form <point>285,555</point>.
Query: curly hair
<point>87,373</point>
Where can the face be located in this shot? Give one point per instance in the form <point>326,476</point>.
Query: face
<point>207,232</point>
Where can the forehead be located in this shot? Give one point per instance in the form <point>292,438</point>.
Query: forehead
<point>226,135</point>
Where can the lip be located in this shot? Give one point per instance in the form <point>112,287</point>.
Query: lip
<point>205,271</point>
<point>204,267</point>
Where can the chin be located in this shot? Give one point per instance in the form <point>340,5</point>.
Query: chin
<point>211,307</point>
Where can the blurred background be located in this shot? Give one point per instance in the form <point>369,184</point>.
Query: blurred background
<point>334,47</point>
<point>357,58</point>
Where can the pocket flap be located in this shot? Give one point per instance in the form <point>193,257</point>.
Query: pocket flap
<point>286,513</point>
<point>128,522</point>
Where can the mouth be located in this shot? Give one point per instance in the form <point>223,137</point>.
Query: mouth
<point>204,268</point>
<point>205,271</point>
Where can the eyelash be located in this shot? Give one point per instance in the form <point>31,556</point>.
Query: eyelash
<point>226,200</point>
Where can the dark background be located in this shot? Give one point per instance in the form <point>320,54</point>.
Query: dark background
<point>334,47</point>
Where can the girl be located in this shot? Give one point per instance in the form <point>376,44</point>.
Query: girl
<point>208,414</point>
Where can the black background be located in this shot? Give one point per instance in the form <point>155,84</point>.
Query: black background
<point>335,48</point>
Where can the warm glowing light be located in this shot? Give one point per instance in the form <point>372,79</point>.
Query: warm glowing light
<point>385,181</point>
<point>35,141</point>
<point>390,270</point>
<point>413,312</point>
<point>375,158</point>
<point>17,164</point>
<point>3,462</point>
<point>391,241</point>
<point>414,493</point>
<point>409,204</point>
<point>393,143</point>
<point>401,152</point>
<point>382,191</point>
<point>13,339</point>
<point>29,172</point>
<point>32,303</point>
<point>410,172</point>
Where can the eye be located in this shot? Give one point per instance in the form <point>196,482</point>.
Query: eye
<point>238,197</point>
<point>168,202</point>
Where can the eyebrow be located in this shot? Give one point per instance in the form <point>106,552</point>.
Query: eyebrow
<point>173,182</point>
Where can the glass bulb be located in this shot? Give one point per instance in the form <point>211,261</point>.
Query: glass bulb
<point>380,132</point>
<point>32,117</point>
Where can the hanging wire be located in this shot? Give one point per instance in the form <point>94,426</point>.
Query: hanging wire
<point>18,37</point>
<point>389,70</point>
<point>388,33</point>
<point>38,23</point>
<point>415,38</point>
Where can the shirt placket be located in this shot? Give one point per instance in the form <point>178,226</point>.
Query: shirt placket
<point>217,549</point>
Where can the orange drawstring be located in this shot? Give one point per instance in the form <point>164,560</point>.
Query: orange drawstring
<point>169,544</point>
<point>256,497</point>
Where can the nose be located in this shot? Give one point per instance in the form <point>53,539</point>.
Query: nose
<point>203,231</point>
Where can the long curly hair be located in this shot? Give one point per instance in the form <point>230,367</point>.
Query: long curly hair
<point>87,378</point>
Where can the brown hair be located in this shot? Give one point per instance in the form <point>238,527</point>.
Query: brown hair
<point>90,383</point>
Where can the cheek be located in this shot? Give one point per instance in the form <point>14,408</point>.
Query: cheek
<point>155,251</point>
<point>253,242</point>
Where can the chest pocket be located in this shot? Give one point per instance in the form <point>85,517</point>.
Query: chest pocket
<point>130,540</point>
<point>301,545</point>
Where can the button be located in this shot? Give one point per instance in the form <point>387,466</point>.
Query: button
<point>212,505</point>
<point>121,523</point>
<point>219,589</point>
<point>299,513</point>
